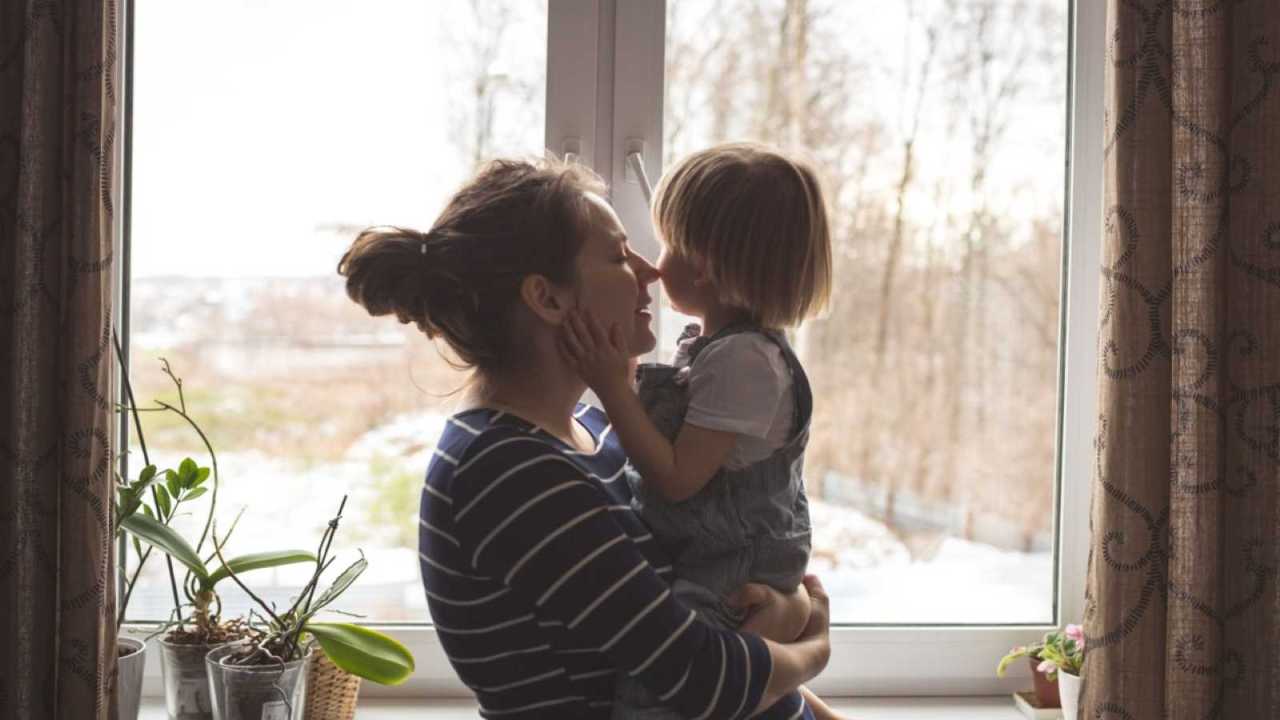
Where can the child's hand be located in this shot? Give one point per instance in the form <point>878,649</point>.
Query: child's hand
<point>600,358</point>
<point>780,617</point>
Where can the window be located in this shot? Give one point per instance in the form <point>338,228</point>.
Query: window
<point>954,370</point>
<point>939,130</point>
<point>254,164</point>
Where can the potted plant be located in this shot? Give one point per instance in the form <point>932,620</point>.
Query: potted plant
<point>1055,667</point>
<point>1063,656</point>
<point>264,675</point>
<point>194,626</point>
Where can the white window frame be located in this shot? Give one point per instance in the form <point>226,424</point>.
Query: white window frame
<point>604,97</point>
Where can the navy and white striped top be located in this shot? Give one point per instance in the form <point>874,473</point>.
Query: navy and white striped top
<point>543,584</point>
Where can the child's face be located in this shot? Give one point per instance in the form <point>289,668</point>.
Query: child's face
<point>685,285</point>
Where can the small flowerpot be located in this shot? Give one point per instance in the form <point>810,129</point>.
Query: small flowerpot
<point>131,659</point>
<point>257,692</point>
<point>1046,689</point>
<point>186,683</point>
<point>1069,689</point>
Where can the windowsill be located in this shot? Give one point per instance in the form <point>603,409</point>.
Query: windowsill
<point>898,708</point>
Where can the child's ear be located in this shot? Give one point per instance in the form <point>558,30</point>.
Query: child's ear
<point>547,300</point>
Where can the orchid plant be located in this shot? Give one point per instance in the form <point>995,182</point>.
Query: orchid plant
<point>1060,650</point>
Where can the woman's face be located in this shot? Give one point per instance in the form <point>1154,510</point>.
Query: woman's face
<point>613,280</point>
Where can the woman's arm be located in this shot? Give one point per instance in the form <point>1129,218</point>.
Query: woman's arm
<point>527,515</point>
<point>676,471</point>
<point>797,663</point>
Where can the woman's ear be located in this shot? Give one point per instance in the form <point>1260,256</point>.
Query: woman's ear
<point>545,299</point>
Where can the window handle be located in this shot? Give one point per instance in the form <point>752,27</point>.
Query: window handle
<point>635,173</point>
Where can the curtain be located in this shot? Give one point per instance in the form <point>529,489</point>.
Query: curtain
<point>59,92</point>
<point>1182,607</point>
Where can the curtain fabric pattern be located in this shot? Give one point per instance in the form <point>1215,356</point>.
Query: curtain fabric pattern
<point>1182,606</point>
<point>59,93</point>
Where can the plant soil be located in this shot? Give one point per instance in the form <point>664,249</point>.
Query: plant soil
<point>259,655</point>
<point>229,631</point>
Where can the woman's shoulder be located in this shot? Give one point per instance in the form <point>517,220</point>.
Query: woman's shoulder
<point>484,432</point>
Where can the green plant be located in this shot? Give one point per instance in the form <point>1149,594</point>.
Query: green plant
<point>168,490</point>
<point>280,637</point>
<point>1059,650</point>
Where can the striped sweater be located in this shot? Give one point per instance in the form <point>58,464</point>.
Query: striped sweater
<point>543,585</point>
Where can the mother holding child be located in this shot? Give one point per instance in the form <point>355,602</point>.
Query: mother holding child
<point>562,582</point>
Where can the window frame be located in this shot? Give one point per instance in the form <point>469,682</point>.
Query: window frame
<point>605,95</point>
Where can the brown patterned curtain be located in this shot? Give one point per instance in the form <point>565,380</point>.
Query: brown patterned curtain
<point>1183,611</point>
<point>59,81</point>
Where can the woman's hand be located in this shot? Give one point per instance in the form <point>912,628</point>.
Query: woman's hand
<point>771,614</point>
<point>600,358</point>
<point>796,663</point>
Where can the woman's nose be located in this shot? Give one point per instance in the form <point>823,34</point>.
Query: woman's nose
<point>645,272</point>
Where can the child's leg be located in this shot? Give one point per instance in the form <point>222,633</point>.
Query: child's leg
<point>821,710</point>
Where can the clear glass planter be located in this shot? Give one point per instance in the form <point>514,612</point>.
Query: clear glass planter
<point>186,684</point>
<point>259,692</point>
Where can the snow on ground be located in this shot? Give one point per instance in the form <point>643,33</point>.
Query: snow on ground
<point>866,568</point>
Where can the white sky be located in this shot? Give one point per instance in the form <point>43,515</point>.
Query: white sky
<point>250,141</point>
<point>247,139</point>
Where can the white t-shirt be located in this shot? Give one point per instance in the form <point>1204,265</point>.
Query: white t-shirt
<point>741,384</point>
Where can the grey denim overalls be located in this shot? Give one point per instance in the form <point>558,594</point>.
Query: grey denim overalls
<point>746,525</point>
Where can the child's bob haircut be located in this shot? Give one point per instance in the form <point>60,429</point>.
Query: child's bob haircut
<point>756,223</point>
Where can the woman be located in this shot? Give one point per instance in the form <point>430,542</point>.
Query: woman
<point>542,583</point>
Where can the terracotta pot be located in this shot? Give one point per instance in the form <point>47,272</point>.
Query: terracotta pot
<point>1046,689</point>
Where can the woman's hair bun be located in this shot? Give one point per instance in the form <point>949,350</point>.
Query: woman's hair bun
<point>389,271</point>
<point>461,279</point>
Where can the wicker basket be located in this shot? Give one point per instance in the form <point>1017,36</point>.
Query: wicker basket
<point>331,691</point>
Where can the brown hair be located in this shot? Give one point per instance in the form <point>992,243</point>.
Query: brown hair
<point>461,279</point>
<point>756,222</point>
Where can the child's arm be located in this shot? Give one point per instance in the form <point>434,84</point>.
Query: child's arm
<point>677,471</point>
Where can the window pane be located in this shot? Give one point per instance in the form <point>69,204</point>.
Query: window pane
<point>938,128</point>
<point>267,135</point>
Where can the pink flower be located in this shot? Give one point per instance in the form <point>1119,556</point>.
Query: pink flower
<point>1075,632</point>
<point>1046,666</point>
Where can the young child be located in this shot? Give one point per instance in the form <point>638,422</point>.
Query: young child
<point>718,437</point>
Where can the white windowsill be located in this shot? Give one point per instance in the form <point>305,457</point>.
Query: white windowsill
<point>899,708</point>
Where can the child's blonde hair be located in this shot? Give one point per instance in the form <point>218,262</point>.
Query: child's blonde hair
<point>755,221</point>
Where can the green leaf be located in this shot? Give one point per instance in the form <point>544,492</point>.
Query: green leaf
<point>144,478</point>
<point>128,504</point>
<point>173,484</point>
<point>171,477</point>
<point>341,584</point>
<point>256,561</point>
<point>195,493</point>
<point>147,509</point>
<point>364,652</point>
<point>201,475</point>
<point>151,531</point>
<point>187,470</point>
<point>162,501</point>
<point>137,547</point>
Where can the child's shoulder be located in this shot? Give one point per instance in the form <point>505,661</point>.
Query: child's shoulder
<point>749,345</point>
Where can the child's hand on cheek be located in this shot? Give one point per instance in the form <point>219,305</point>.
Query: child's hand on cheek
<point>600,358</point>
